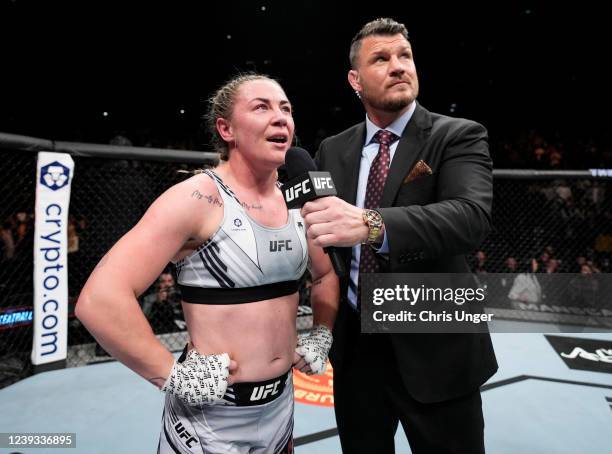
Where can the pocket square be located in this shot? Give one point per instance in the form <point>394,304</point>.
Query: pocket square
<point>420,169</point>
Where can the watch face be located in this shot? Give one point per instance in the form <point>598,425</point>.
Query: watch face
<point>374,218</point>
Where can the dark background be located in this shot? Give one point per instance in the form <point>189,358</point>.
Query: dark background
<point>516,67</point>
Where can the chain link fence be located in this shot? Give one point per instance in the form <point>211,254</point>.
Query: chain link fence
<point>564,222</point>
<point>555,227</point>
<point>17,174</point>
<point>108,197</point>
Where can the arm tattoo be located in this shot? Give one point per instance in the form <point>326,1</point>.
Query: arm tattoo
<point>209,198</point>
<point>213,200</point>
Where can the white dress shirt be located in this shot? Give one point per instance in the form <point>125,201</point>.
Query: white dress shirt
<point>368,153</point>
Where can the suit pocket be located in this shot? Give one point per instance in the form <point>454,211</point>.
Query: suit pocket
<point>418,192</point>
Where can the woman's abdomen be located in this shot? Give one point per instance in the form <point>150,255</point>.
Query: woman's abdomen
<point>259,336</point>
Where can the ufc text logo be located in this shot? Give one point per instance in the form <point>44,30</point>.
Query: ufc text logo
<point>184,434</point>
<point>294,191</point>
<point>278,246</point>
<point>261,392</point>
<point>323,183</point>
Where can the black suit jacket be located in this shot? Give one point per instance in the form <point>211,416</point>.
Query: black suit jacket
<point>430,222</point>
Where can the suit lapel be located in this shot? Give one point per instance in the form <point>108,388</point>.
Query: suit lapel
<point>408,152</point>
<point>350,162</point>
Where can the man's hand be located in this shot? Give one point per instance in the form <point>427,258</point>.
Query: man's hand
<point>333,222</point>
<point>200,379</point>
<point>312,351</point>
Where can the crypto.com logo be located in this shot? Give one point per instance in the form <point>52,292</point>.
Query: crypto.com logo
<point>54,176</point>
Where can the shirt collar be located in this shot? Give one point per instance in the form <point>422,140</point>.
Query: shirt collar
<point>397,127</point>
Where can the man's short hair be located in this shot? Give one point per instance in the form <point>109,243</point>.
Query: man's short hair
<point>384,26</point>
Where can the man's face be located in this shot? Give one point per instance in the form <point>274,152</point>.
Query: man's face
<point>511,263</point>
<point>165,281</point>
<point>385,75</point>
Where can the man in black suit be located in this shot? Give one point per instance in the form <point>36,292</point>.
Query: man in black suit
<point>425,181</point>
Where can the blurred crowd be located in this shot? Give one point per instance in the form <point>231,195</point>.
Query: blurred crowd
<point>17,230</point>
<point>552,151</point>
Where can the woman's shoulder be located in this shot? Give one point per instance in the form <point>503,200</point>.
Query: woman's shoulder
<point>182,198</point>
<point>197,185</point>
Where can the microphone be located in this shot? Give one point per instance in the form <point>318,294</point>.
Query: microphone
<point>306,183</point>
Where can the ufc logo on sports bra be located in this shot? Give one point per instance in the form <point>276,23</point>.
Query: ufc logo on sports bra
<point>261,392</point>
<point>279,245</point>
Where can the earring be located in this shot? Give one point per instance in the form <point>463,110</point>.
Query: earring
<point>358,94</point>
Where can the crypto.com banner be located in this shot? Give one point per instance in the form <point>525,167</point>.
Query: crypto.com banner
<point>53,179</point>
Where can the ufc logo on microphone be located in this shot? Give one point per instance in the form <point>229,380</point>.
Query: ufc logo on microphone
<point>278,246</point>
<point>261,392</point>
<point>323,182</point>
<point>294,191</point>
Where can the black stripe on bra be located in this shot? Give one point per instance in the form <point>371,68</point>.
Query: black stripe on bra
<point>240,295</point>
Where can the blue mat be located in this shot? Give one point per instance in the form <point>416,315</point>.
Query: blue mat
<point>534,404</point>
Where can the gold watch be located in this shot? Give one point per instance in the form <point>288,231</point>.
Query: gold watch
<point>374,221</point>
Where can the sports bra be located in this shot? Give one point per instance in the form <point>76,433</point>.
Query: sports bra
<point>244,261</point>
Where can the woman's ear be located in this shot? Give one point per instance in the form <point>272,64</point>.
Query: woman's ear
<point>224,127</point>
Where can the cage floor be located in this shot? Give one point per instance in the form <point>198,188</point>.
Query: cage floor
<point>535,403</point>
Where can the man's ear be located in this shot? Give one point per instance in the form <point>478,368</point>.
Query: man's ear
<point>353,79</point>
<point>225,129</point>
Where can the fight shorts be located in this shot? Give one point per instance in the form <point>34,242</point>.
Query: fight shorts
<point>254,418</point>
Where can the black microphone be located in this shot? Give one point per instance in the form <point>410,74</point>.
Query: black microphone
<point>306,183</point>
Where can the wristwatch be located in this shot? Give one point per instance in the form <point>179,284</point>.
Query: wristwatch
<point>374,221</point>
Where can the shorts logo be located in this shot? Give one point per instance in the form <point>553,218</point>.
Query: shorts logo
<point>237,222</point>
<point>188,439</point>
<point>261,392</point>
<point>54,176</point>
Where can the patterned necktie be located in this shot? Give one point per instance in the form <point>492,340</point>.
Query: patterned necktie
<point>376,183</point>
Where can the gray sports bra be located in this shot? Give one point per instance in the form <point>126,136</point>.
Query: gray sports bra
<point>244,261</point>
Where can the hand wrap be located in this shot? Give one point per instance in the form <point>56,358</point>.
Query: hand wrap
<point>314,348</point>
<point>199,379</point>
